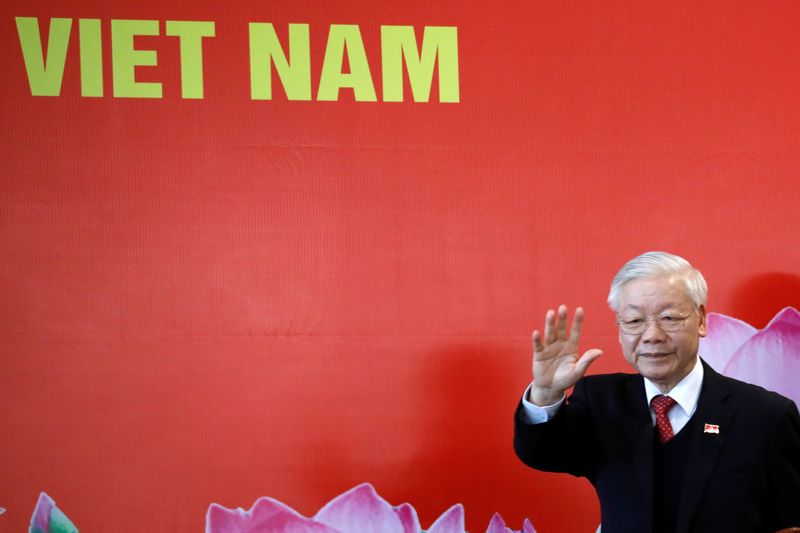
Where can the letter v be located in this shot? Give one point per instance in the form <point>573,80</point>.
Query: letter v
<point>44,74</point>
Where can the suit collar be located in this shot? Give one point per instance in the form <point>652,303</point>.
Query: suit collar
<point>704,447</point>
<point>686,392</point>
<point>639,428</point>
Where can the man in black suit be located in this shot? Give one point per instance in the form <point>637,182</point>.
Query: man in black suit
<point>676,448</point>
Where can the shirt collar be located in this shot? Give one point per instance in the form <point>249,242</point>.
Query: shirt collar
<point>685,393</point>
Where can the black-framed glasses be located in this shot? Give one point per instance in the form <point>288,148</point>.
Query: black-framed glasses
<point>636,325</point>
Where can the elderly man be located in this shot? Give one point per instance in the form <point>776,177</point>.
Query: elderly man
<point>676,448</point>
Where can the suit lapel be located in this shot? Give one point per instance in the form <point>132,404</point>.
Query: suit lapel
<point>704,448</point>
<point>639,428</point>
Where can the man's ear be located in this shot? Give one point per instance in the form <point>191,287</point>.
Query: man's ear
<point>701,312</point>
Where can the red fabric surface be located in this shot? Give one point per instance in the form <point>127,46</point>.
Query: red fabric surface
<point>214,300</point>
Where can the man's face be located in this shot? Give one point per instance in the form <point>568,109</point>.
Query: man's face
<point>663,357</point>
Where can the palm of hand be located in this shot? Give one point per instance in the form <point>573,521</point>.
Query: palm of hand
<point>556,364</point>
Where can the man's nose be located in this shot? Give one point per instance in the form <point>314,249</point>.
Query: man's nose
<point>653,332</point>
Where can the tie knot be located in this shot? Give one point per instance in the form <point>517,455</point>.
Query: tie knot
<point>662,404</point>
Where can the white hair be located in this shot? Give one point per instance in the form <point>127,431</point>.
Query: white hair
<point>654,264</point>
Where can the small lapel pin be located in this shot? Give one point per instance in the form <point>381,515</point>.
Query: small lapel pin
<point>711,428</point>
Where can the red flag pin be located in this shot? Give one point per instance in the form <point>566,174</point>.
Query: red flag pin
<point>711,428</point>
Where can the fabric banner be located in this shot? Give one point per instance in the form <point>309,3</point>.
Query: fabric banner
<point>285,249</point>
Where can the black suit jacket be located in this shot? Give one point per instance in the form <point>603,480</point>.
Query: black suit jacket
<point>744,479</point>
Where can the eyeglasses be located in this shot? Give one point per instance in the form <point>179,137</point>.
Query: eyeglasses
<point>669,323</point>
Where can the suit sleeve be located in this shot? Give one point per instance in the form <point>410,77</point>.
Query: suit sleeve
<point>784,468</point>
<point>562,444</point>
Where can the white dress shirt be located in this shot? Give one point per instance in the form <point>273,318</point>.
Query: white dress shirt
<point>685,393</point>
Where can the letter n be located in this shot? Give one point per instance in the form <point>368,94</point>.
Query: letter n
<point>265,50</point>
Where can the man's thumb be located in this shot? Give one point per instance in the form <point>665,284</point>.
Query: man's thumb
<point>587,358</point>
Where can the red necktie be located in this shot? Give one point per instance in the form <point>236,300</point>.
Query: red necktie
<point>661,405</point>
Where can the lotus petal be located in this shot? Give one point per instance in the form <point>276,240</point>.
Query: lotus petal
<point>451,521</point>
<point>40,521</point>
<point>408,517</point>
<point>360,509</point>
<point>527,527</point>
<point>497,525</point>
<point>47,518</point>
<point>725,336</point>
<point>266,515</point>
<point>771,357</point>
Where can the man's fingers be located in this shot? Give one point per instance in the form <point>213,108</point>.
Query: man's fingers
<point>537,342</point>
<point>577,323</point>
<point>549,326</point>
<point>586,359</point>
<point>561,322</point>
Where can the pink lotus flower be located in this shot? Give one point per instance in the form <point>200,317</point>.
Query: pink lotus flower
<point>769,357</point>
<point>359,510</point>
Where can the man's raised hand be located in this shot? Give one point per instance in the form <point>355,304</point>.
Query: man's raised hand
<point>556,365</point>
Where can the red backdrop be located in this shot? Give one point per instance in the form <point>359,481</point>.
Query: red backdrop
<point>217,299</point>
